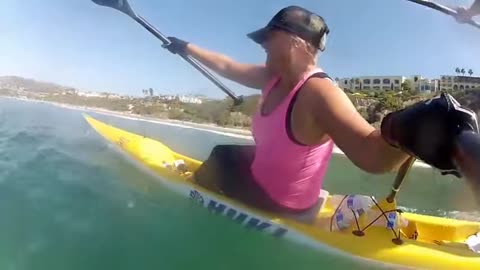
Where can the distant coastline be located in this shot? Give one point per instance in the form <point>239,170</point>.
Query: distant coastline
<point>201,113</point>
<point>372,105</point>
<point>227,131</point>
<point>212,128</point>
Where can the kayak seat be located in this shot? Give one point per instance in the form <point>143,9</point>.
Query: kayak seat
<point>310,215</point>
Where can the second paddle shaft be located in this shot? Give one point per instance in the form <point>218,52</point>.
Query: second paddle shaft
<point>402,173</point>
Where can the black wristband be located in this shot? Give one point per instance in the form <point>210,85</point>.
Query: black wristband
<point>177,46</point>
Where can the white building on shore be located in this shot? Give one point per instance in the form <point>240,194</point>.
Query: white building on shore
<point>449,83</point>
<point>189,99</point>
<point>388,83</point>
<point>375,83</point>
<point>424,85</point>
<point>181,98</point>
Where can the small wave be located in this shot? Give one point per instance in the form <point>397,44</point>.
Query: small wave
<point>50,152</point>
<point>25,137</point>
<point>35,193</point>
<point>73,223</point>
<point>37,245</point>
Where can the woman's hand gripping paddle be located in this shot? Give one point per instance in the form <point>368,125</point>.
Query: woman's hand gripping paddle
<point>124,7</point>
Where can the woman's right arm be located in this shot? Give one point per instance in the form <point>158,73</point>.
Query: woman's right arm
<point>475,8</point>
<point>464,15</point>
<point>253,76</point>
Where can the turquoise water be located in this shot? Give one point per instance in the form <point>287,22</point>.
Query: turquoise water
<point>68,201</point>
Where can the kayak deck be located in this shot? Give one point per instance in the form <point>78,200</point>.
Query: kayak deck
<point>439,241</point>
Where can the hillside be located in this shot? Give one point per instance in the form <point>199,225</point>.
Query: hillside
<point>469,99</point>
<point>373,106</point>
<point>19,83</point>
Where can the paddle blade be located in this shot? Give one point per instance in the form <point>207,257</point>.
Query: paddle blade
<point>121,5</point>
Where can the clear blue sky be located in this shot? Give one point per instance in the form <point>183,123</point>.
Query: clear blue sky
<point>80,44</point>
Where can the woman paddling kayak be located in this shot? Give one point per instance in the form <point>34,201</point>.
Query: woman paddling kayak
<point>300,116</point>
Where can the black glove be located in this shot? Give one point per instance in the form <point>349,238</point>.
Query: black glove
<point>428,130</point>
<point>176,46</point>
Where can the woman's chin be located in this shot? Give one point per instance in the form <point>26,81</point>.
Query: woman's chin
<point>272,68</point>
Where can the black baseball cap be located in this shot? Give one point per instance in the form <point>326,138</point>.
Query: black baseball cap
<point>307,25</point>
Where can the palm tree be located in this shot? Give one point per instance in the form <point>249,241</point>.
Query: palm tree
<point>150,90</point>
<point>358,84</point>
<point>470,72</point>
<point>337,80</point>
<point>462,71</point>
<point>457,70</point>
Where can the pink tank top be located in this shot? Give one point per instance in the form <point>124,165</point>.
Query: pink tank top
<point>291,173</point>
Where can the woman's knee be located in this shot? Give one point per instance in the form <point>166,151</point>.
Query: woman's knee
<point>220,151</point>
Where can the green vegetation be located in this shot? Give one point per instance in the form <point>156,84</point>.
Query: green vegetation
<point>462,71</point>
<point>220,112</point>
<point>469,98</point>
<point>372,105</point>
<point>97,102</point>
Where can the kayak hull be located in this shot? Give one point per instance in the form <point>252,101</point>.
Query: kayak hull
<point>438,245</point>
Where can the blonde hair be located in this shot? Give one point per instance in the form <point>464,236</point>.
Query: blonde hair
<point>309,49</point>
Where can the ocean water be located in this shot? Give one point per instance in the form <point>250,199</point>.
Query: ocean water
<point>68,201</point>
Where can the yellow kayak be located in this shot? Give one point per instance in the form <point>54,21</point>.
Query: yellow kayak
<point>426,242</point>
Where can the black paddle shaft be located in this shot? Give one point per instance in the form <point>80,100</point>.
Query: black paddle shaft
<point>402,173</point>
<point>466,156</point>
<point>124,7</point>
<point>191,60</point>
<point>443,9</point>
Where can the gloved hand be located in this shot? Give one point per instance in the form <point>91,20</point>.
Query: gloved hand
<point>428,129</point>
<point>463,15</point>
<point>176,46</point>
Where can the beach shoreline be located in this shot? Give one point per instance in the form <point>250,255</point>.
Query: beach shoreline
<point>227,131</point>
<point>212,128</point>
